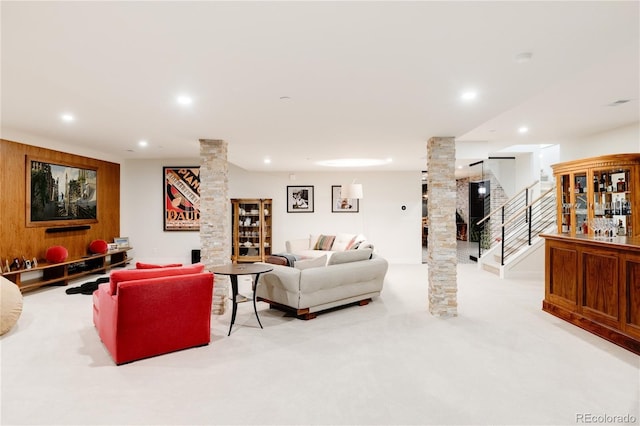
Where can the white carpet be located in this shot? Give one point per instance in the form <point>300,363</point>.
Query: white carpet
<point>501,361</point>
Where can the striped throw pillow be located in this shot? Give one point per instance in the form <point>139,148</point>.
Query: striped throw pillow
<point>324,242</point>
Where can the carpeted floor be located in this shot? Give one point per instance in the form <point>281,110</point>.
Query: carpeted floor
<point>502,361</point>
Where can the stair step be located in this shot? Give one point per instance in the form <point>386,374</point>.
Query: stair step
<point>491,268</point>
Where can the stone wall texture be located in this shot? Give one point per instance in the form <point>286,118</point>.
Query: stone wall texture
<point>441,252</point>
<point>215,220</point>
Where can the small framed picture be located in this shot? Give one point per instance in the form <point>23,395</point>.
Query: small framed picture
<point>299,199</point>
<point>112,246</point>
<point>343,205</point>
<point>121,242</point>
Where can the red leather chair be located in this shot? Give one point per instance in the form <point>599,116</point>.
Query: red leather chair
<point>141,313</point>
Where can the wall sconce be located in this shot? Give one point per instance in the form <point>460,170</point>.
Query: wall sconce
<point>482,189</point>
<point>352,190</point>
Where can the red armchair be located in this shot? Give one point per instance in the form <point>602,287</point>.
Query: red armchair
<point>140,313</point>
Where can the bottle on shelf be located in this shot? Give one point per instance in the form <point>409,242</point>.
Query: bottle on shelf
<point>621,185</point>
<point>603,183</point>
<point>585,228</point>
<point>596,184</point>
<point>621,231</point>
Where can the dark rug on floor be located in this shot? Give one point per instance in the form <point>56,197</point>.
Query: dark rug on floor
<point>87,288</point>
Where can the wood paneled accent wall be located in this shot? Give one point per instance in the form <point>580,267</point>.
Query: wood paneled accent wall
<point>16,239</point>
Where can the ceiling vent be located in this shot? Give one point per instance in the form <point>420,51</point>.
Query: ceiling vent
<point>619,102</point>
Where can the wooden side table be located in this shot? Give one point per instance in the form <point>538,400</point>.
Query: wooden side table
<point>233,271</point>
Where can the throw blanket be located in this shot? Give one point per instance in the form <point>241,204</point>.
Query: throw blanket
<point>291,258</point>
<point>87,288</point>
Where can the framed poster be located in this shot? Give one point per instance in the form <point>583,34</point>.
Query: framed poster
<point>60,193</point>
<point>181,198</point>
<point>343,205</point>
<point>300,199</point>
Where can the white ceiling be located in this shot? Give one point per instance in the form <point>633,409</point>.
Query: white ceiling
<point>365,79</point>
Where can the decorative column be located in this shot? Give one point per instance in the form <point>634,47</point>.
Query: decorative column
<point>441,203</point>
<point>215,220</point>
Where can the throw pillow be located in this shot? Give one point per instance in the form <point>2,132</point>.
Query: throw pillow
<point>140,265</point>
<point>342,241</point>
<point>349,256</point>
<point>98,247</point>
<point>56,254</point>
<point>316,262</point>
<point>355,243</point>
<point>324,242</point>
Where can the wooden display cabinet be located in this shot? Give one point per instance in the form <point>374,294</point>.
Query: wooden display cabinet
<point>599,187</point>
<point>251,228</point>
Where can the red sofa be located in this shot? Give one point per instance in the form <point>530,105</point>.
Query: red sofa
<point>140,313</point>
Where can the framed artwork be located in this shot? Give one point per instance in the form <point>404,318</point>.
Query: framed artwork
<point>181,202</point>
<point>121,242</point>
<point>299,199</point>
<point>60,193</point>
<point>343,205</point>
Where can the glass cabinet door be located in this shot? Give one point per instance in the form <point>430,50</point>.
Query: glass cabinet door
<point>581,203</point>
<point>566,207</point>
<point>613,199</point>
<point>266,227</point>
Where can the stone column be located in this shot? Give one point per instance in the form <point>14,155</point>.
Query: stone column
<point>215,220</point>
<point>441,252</point>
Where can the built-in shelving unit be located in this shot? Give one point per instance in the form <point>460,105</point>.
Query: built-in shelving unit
<point>62,273</point>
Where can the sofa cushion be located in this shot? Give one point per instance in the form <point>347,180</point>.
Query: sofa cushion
<point>311,263</point>
<point>349,256</point>
<point>324,242</point>
<point>140,274</point>
<point>342,241</point>
<point>140,265</point>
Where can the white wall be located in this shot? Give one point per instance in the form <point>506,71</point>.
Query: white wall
<point>396,233</point>
<point>622,140</point>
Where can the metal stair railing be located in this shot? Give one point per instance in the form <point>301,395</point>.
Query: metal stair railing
<point>490,225</point>
<point>527,223</point>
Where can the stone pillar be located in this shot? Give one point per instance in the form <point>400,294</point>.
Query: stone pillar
<point>215,220</point>
<point>441,252</point>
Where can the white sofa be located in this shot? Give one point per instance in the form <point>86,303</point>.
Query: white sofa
<point>305,248</point>
<point>349,277</point>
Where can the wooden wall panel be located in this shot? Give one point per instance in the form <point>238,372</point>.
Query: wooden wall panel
<point>632,289</point>
<point>600,286</point>
<point>564,273</point>
<point>16,240</point>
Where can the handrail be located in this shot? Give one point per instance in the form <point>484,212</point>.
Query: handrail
<point>507,202</point>
<point>524,209</point>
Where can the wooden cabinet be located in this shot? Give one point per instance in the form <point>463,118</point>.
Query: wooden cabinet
<point>62,273</point>
<point>251,239</point>
<point>595,284</point>
<point>600,187</point>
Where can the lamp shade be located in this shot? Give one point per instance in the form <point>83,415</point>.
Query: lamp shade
<point>351,190</point>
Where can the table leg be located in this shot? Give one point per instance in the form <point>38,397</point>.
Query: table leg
<point>234,292</point>
<point>255,287</point>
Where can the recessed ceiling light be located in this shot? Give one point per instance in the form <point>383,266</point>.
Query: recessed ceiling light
<point>354,162</point>
<point>469,96</point>
<point>68,118</point>
<point>184,100</point>
<point>267,160</point>
<point>523,129</point>
<point>143,143</point>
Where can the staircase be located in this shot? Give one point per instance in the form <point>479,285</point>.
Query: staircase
<point>509,238</point>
